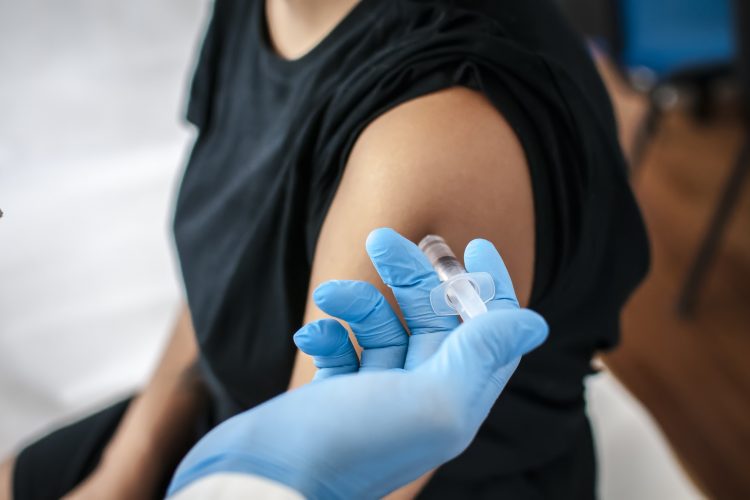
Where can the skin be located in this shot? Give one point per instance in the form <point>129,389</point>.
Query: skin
<point>5,481</point>
<point>296,26</point>
<point>454,167</point>
<point>155,432</point>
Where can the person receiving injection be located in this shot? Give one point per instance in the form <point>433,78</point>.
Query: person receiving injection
<point>417,401</point>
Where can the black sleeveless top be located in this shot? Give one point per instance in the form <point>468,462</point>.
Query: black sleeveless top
<point>274,136</point>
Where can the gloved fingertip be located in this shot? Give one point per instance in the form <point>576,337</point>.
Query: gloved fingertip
<point>480,248</point>
<point>320,337</point>
<point>398,260</point>
<point>534,330</point>
<point>324,290</point>
<point>482,256</point>
<point>304,335</point>
<point>380,235</point>
<point>379,245</point>
<point>480,245</point>
<point>346,299</point>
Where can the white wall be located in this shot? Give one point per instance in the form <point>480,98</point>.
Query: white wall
<point>91,143</point>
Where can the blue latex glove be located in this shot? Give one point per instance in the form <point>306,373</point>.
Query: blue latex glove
<point>384,342</point>
<point>362,435</point>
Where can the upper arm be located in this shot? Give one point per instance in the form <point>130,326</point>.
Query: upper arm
<point>447,163</point>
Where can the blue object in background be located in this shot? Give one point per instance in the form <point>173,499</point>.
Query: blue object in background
<point>667,36</point>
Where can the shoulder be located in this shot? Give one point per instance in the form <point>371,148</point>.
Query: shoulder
<point>447,162</point>
<point>456,133</point>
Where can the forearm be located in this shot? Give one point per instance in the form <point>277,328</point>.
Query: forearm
<point>156,432</point>
<point>158,428</point>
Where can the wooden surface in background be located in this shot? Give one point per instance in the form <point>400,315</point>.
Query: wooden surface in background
<point>693,375</point>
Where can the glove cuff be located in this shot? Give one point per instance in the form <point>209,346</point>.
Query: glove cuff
<point>255,465</point>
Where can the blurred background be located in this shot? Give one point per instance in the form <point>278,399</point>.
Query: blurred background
<point>92,142</point>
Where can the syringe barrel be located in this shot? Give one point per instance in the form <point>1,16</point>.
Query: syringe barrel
<point>460,292</point>
<point>464,298</point>
<point>441,257</point>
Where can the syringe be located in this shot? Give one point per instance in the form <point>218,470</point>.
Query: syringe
<point>460,292</point>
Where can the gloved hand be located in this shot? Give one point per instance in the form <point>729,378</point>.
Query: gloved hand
<point>363,435</point>
<point>384,342</point>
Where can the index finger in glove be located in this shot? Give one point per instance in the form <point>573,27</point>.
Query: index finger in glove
<point>405,269</point>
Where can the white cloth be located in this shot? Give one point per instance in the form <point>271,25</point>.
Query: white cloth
<point>230,485</point>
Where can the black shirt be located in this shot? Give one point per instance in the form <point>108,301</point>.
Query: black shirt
<point>274,136</point>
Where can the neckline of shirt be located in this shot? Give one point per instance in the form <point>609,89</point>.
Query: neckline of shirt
<point>276,62</point>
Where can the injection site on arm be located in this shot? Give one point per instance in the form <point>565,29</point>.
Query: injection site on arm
<point>460,292</point>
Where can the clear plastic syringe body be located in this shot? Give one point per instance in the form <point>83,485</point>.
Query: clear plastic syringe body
<point>459,290</point>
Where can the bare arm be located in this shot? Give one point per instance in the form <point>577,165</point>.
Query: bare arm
<point>157,428</point>
<point>6,470</point>
<point>447,163</point>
